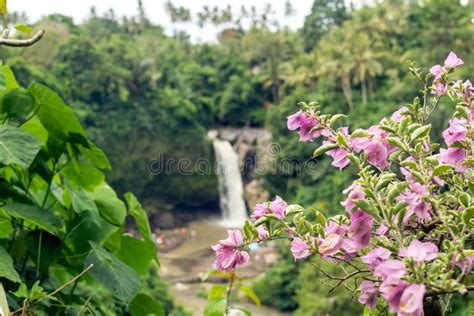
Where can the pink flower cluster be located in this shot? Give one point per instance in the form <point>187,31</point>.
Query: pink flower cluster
<point>374,145</point>
<point>440,85</point>
<point>306,125</point>
<point>456,133</point>
<point>403,298</point>
<point>228,252</point>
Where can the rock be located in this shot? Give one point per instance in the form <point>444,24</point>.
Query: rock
<point>254,193</point>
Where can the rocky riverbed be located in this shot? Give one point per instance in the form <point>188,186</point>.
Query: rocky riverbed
<point>183,266</point>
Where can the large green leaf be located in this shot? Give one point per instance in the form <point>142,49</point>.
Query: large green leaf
<point>215,307</point>
<point>139,215</point>
<point>3,301</point>
<point>121,280</point>
<point>137,253</point>
<point>17,146</point>
<point>18,103</point>
<point>35,128</point>
<point>81,201</point>
<point>7,270</point>
<point>111,208</point>
<point>143,305</point>
<point>84,176</point>
<point>34,215</point>
<point>56,116</point>
<point>87,226</point>
<point>95,156</point>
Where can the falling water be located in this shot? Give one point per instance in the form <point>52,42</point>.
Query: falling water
<point>231,189</point>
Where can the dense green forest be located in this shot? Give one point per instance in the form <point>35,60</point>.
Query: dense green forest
<point>140,94</point>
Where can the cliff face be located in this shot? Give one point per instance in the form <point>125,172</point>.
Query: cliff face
<point>253,146</point>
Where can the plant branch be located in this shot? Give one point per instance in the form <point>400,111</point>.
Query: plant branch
<point>22,42</point>
<point>59,289</point>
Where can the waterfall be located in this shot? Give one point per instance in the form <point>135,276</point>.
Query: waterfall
<point>231,189</point>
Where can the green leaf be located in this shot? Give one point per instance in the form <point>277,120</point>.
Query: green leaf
<point>215,307</point>
<point>144,305</point>
<point>139,215</point>
<point>87,226</point>
<point>121,280</point>
<point>294,208</point>
<point>81,201</point>
<point>420,132</point>
<point>95,156</point>
<point>251,294</point>
<point>110,207</point>
<point>336,118</point>
<point>10,81</point>
<point>36,292</point>
<point>35,216</point>
<point>396,189</point>
<point>359,133</point>
<point>137,253</point>
<point>7,270</point>
<point>468,214</point>
<point>18,103</point>
<point>35,128</point>
<point>341,140</point>
<point>22,291</point>
<point>395,141</point>
<point>56,116</point>
<point>3,301</point>
<point>24,28</point>
<point>3,7</point>
<point>84,176</point>
<point>17,146</point>
<point>216,291</point>
<point>324,148</point>
<point>442,169</point>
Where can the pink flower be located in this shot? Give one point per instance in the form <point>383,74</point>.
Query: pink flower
<point>456,131</point>
<point>376,256</point>
<point>355,193</point>
<point>390,269</point>
<point>463,263</point>
<point>452,61</point>
<point>420,251</point>
<point>398,116</point>
<point>454,157</point>
<point>440,89</point>
<point>306,124</point>
<point>391,290</point>
<point>382,230</point>
<point>259,210</point>
<point>330,244</point>
<point>360,229</point>
<point>262,233</point>
<point>276,207</point>
<point>437,71</point>
<point>411,301</point>
<point>296,120</point>
<point>228,256</point>
<point>466,93</point>
<point>339,156</point>
<point>299,248</point>
<point>333,228</point>
<point>377,154</point>
<point>368,295</point>
<point>416,204</point>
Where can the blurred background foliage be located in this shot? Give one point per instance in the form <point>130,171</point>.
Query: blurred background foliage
<point>141,93</point>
